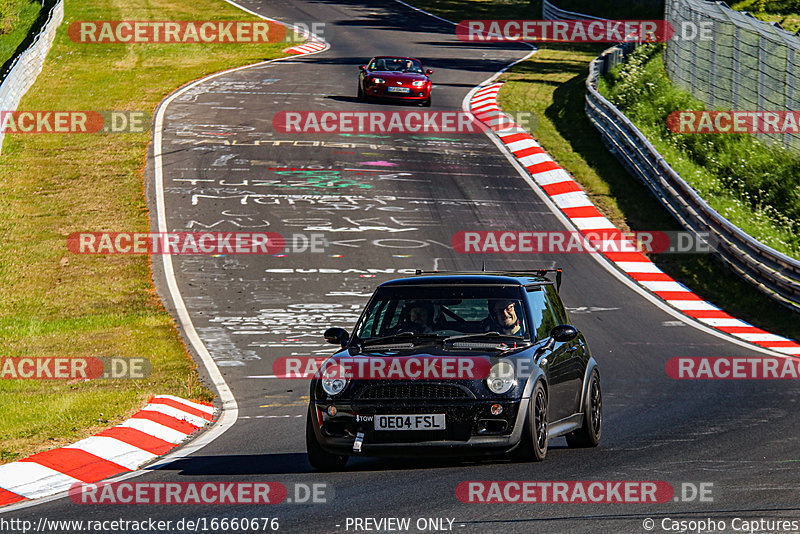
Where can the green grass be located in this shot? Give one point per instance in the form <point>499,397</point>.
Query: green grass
<point>784,12</point>
<point>55,303</point>
<point>16,18</point>
<point>552,84</point>
<point>754,185</point>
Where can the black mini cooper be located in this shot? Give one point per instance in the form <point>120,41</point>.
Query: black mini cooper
<point>445,363</point>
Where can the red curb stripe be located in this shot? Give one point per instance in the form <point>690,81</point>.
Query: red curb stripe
<point>708,314</point>
<point>182,407</point>
<point>139,439</point>
<point>582,211</point>
<point>651,277</point>
<point>544,167</point>
<point>741,329</point>
<point>515,137</point>
<point>627,256</point>
<point>7,497</point>
<point>677,295</point>
<point>176,424</point>
<point>561,187</point>
<point>76,463</point>
<point>786,343</point>
<point>529,151</point>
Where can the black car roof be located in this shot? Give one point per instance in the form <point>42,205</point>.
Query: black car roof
<point>396,57</point>
<point>482,278</point>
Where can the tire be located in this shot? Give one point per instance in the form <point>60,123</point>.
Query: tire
<point>426,103</point>
<point>589,434</point>
<point>534,435</point>
<point>317,457</point>
<point>361,96</point>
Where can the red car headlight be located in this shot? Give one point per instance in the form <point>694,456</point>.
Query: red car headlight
<point>419,83</point>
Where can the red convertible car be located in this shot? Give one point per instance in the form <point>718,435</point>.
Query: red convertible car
<point>400,78</point>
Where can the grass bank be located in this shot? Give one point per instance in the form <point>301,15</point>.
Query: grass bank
<point>754,185</point>
<point>16,19</point>
<point>784,12</point>
<point>55,303</point>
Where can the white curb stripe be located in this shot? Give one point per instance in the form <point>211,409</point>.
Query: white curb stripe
<point>176,413</point>
<point>593,223</point>
<point>639,267</point>
<point>573,199</point>
<point>664,286</point>
<point>555,176</point>
<point>32,480</point>
<point>157,430</point>
<point>533,159</point>
<point>114,450</point>
<point>196,405</point>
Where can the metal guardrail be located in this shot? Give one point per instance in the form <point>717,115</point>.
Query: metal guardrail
<point>551,12</point>
<point>770,271</point>
<point>27,65</point>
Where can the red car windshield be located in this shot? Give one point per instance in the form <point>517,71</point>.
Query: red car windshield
<point>396,64</point>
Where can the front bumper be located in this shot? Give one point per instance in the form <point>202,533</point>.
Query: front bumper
<point>381,91</point>
<point>470,428</point>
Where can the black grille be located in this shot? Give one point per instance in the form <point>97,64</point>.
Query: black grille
<point>414,391</point>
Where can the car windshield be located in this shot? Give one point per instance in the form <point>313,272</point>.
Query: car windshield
<point>396,64</point>
<point>443,311</point>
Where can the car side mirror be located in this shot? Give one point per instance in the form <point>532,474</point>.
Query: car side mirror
<point>362,68</point>
<point>337,335</point>
<point>563,333</point>
<point>429,72</point>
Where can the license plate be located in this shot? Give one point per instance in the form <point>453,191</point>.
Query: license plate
<point>410,422</point>
<point>399,89</point>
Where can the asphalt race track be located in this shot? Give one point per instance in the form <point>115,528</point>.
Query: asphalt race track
<point>392,204</point>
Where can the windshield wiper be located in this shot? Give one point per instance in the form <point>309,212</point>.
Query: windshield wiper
<point>400,335</point>
<point>491,335</point>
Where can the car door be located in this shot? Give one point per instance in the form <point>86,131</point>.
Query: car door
<point>575,362</point>
<point>560,376</point>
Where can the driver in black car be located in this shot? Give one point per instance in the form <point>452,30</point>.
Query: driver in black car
<point>418,318</point>
<point>503,317</point>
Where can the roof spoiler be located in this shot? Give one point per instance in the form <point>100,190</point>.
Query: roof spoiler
<point>538,272</point>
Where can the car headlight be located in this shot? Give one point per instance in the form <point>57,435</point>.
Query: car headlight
<point>378,80</point>
<point>501,377</point>
<point>332,381</point>
<point>418,83</point>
